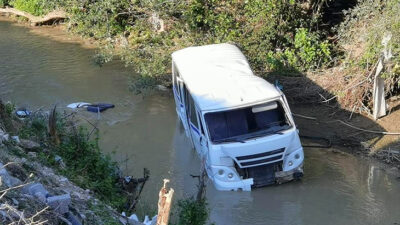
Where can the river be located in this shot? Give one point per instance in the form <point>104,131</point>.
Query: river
<point>144,132</point>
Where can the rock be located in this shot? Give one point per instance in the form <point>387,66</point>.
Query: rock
<point>65,220</point>
<point>162,88</point>
<point>41,197</point>
<point>157,22</point>
<point>59,203</point>
<point>134,222</point>
<point>29,145</point>
<point>16,139</point>
<point>72,219</point>
<point>146,219</point>
<point>4,136</point>
<point>153,220</point>
<point>123,220</point>
<point>134,217</point>
<point>34,189</point>
<point>2,169</point>
<point>365,145</point>
<point>5,216</point>
<point>7,179</point>
<point>32,154</point>
<point>11,181</point>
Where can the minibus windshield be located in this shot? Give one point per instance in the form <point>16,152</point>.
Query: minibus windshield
<point>240,124</point>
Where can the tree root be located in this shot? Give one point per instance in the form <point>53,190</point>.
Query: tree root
<point>36,20</point>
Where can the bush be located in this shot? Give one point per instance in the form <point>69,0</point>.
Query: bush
<point>3,3</point>
<point>368,23</point>
<point>85,164</point>
<point>274,35</point>
<point>192,212</point>
<point>89,168</point>
<point>35,7</point>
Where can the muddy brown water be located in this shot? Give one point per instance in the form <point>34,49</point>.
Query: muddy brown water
<point>144,132</point>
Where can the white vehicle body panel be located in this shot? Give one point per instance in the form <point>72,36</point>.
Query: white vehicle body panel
<point>217,78</point>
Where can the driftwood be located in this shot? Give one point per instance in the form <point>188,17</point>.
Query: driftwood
<point>53,127</point>
<point>164,204</point>
<point>36,20</point>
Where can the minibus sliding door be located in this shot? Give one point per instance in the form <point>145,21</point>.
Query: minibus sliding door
<point>178,89</point>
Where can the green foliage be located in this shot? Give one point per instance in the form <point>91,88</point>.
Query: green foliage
<point>143,84</point>
<point>275,35</point>
<point>34,128</point>
<point>9,108</point>
<point>380,18</point>
<point>308,53</point>
<point>3,3</point>
<point>192,212</point>
<point>85,164</point>
<point>272,33</point>
<point>35,7</point>
<point>89,168</point>
<point>99,208</point>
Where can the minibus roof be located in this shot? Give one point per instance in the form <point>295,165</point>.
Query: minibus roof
<point>219,76</point>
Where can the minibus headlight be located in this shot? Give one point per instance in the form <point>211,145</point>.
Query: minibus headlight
<point>297,156</point>
<point>290,163</point>
<point>221,172</point>
<point>230,175</point>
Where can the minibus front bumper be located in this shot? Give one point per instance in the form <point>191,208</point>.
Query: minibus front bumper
<point>246,184</point>
<point>241,185</point>
<point>286,176</point>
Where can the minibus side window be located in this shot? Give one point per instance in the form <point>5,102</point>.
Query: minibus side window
<point>175,81</point>
<point>193,116</point>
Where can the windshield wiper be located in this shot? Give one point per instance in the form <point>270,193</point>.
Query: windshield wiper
<point>232,139</point>
<point>262,134</point>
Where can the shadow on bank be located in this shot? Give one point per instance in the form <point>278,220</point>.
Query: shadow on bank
<point>318,114</point>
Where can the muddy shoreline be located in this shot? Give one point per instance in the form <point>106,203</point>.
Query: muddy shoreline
<point>57,32</point>
<point>348,140</point>
<point>344,138</point>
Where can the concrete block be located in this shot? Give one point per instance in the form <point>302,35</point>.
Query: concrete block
<point>29,145</point>
<point>7,179</point>
<point>41,197</point>
<point>59,203</point>
<point>34,188</point>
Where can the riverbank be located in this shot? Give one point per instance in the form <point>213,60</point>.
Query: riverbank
<point>40,176</point>
<point>305,89</point>
<point>58,32</point>
<point>144,132</point>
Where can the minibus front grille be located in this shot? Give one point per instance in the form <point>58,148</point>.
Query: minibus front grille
<point>262,175</point>
<point>260,158</point>
<point>264,154</point>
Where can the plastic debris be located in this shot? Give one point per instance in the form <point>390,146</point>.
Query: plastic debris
<point>23,113</point>
<point>78,105</point>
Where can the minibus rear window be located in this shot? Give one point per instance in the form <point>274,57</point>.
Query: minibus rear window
<point>245,123</point>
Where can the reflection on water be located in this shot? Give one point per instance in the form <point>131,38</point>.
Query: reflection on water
<point>144,132</point>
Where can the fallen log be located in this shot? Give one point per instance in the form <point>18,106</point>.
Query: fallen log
<point>164,204</point>
<point>36,20</point>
